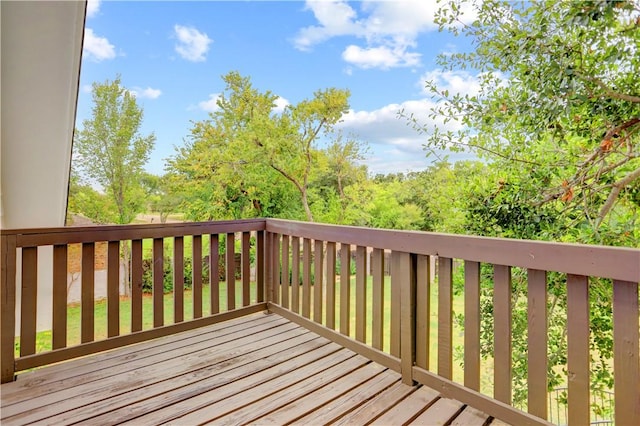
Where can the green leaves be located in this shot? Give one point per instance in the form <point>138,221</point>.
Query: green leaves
<point>549,72</point>
<point>109,150</point>
<point>250,160</point>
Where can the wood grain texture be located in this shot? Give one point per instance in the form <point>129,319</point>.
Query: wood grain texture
<point>260,273</point>
<point>345,288</point>
<point>472,325</point>
<point>246,268</point>
<point>407,278</point>
<point>38,360</point>
<point>502,333</point>
<point>136,285</point>
<point>59,320</point>
<point>445,317</point>
<point>423,306</point>
<point>578,348</point>
<point>158,282</point>
<point>82,234</point>
<point>306,278</point>
<point>394,322</point>
<point>276,266</point>
<point>214,273</point>
<point>196,268</point>
<point>295,275</point>
<point>230,269</point>
<point>626,353</point>
<point>284,279</point>
<point>8,306</point>
<point>361,294</point>
<point>331,286</point>
<point>607,262</point>
<point>537,342</point>
<point>318,280</point>
<point>178,280</point>
<point>377,298</point>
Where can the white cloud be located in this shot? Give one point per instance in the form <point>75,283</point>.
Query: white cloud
<point>460,82</point>
<point>383,126</point>
<point>93,7</point>
<point>147,93</point>
<point>192,44</point>
<point>211,104</point>
<point>389,30</point>
<point>87,88</point>
<point>336,18</point>
<point>281,104</point>
<point>97,48</point>
<point>380,57</point>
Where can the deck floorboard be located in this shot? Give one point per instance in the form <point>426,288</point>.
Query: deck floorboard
<point>259,369</point>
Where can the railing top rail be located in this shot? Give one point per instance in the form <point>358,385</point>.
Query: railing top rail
<point>617,263</point>
<point>69,235</point>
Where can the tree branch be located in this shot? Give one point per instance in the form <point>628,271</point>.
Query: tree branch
<point>613,195</point>
<point>609,91</point>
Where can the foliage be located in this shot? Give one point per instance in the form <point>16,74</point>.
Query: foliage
<point>86,201</point>
<point>109,149</point>
<point>390,207</point>
<point>249,159</point>
<point>556,118</point>
<point>558,97</point>
<point>159,196</point>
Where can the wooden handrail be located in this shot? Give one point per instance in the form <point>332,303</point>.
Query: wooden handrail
<point>26,244</point>
<point>410,306</point>
<point>618,263</point>
<point>296,276</point>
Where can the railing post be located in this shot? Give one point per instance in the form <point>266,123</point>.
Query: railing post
<point>626,352</point>
<point>407,264</point>
<point>268,264</point>
<point>260,262</point>
<point>8,307</point>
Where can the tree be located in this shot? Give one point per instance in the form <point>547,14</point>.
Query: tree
<point>109,149</point>
<point>557,118</point>
<point>160,198</point>
<point>111,152</point>
<point>558,96</point>
<point>248,156</point>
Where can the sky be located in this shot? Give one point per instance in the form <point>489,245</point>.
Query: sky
<point>171,56</point>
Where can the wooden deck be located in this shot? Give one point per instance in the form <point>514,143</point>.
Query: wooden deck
<point>259,369</point>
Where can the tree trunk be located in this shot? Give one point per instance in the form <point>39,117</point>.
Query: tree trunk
<point>305,203</point>
<point>126,260</point>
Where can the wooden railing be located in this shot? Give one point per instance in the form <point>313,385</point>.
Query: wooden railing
<point>299,272</point>
<point>304,286</point>
<point>21,269</point>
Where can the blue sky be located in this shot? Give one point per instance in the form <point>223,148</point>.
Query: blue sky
<point>172,55</point>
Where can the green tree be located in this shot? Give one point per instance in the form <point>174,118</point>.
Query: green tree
<point>86,201</point>
<point>248,158</point>
<point>559,96</point>
<point>110,152</point>
<point>109,149</point>
<point>557,118</point>
<point>339,186</point>
<point>159,196</point>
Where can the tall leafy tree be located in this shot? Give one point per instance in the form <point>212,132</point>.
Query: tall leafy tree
<point>248,157</point>
<point>557,118</point>
<point>559,97</point>
<point>110,152</point>
<point>109,149</point>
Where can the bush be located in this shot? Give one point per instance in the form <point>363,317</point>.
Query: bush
<point>167,274</point>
